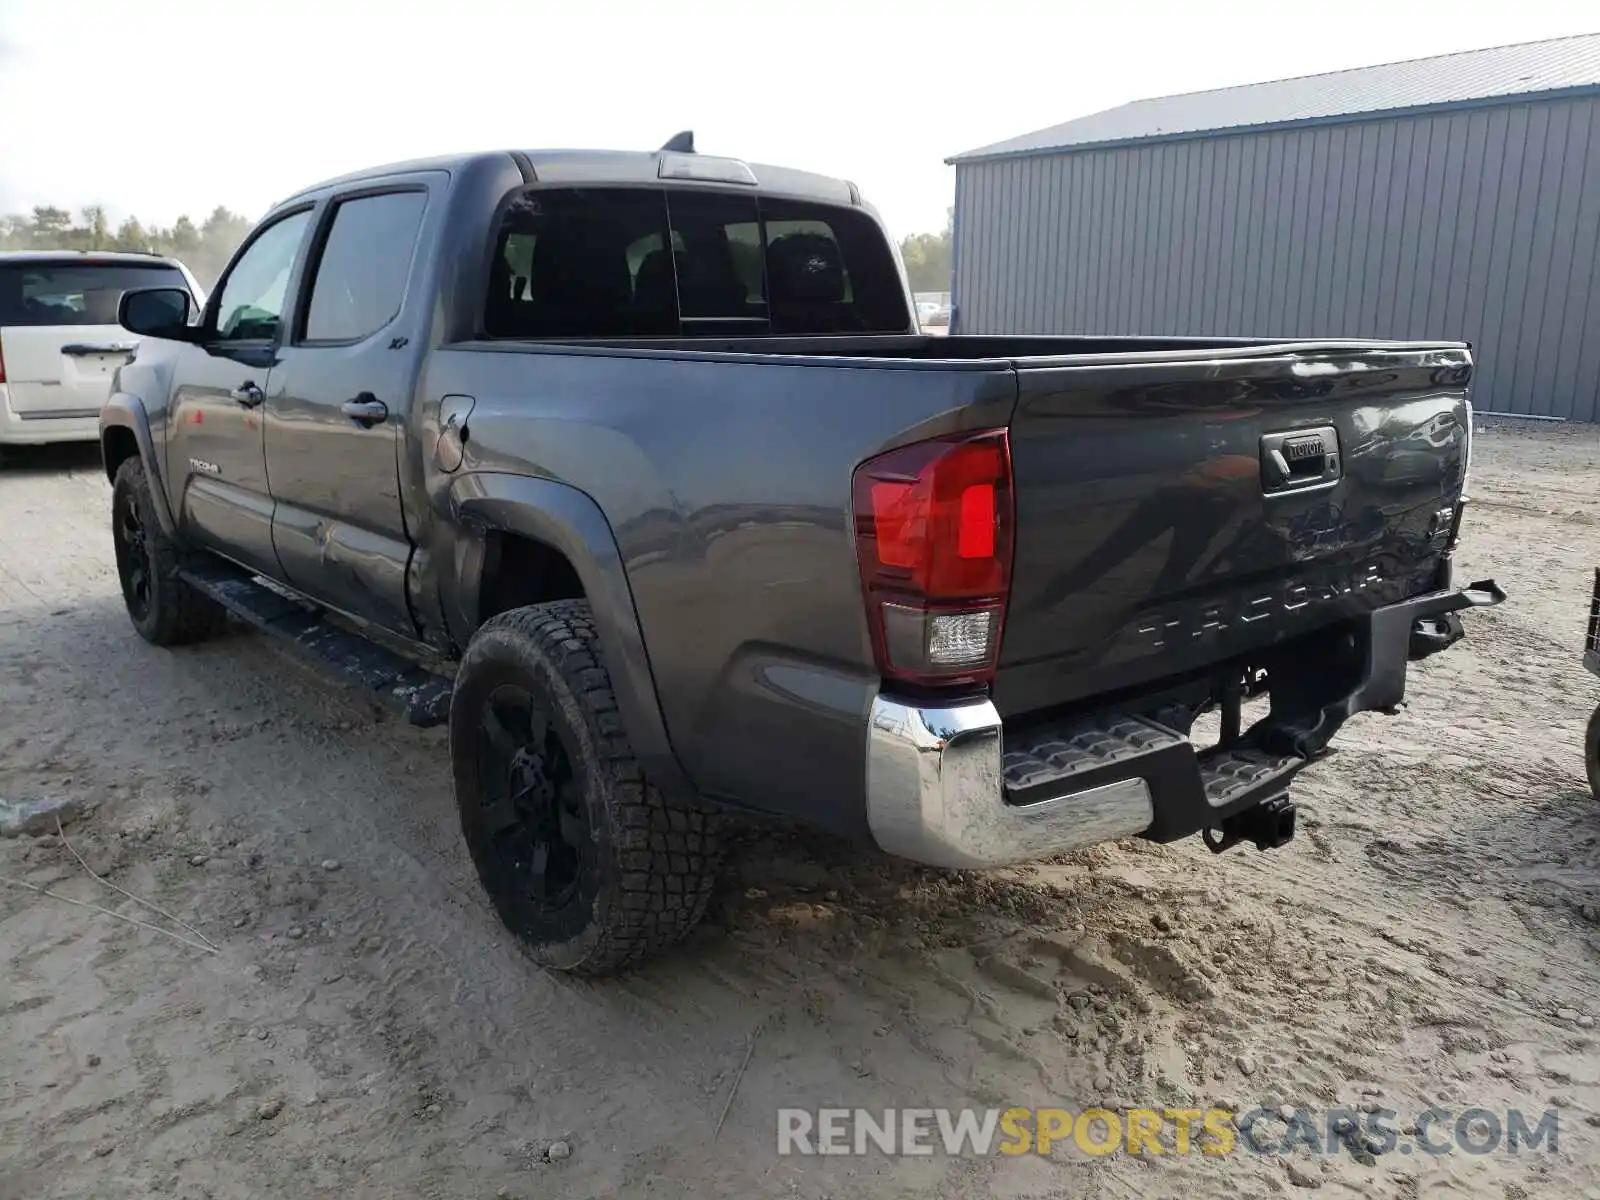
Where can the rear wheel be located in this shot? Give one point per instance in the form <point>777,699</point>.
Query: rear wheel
<point>1591,752</point>
<point>590,864</point>
<point>164,609</point>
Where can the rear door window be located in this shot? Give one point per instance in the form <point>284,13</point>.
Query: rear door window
<point>361,274</point>
<point>607,263</point>
<point>81,292</point>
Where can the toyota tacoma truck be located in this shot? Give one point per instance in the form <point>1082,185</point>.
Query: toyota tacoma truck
<point>635,469</point>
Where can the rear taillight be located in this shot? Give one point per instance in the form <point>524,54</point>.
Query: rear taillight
<point>2,365</point>
<point>934,530</point>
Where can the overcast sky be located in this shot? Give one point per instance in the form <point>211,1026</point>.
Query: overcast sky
<point>159,107</point>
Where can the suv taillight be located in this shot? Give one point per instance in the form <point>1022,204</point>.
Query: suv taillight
<point>2,365</point>
<point>934,532</point>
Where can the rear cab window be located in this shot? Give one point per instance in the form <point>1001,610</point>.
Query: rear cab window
<point>75,291</point>
<point>651,262</point>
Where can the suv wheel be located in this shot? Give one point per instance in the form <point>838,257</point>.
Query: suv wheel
<point>591,865</point>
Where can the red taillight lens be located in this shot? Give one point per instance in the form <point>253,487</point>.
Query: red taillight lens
<point>934,529</point>
<point>2,366</point>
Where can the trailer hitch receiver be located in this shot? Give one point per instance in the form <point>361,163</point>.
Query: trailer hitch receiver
<point>1269,825</point>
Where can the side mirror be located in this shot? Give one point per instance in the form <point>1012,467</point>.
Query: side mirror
<point>157,312</point>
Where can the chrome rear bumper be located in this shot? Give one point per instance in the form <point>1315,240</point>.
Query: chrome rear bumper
<point>936,793</point>
<point>39,428</point>
<point>943,789</point>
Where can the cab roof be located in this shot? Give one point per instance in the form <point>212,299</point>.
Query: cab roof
<point>598,167</point>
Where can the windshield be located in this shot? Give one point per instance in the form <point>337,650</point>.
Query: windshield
<point>75,293</point>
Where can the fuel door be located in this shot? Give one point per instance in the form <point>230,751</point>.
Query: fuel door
<point>451,447</point>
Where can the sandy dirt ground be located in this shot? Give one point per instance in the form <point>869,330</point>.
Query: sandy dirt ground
<point>365,1028</point>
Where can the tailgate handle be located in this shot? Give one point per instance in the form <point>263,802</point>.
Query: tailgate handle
<point>1299,459</point>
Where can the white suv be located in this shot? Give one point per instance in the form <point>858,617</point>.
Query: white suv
<point>59,338</point>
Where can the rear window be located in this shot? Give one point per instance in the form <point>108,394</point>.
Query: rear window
<point>613,262</point>
<point>75,293</point>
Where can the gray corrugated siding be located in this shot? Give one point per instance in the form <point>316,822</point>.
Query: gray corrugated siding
<point>1481,225</point>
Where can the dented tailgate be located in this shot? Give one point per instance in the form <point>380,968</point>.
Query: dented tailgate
<point>1176,510</point>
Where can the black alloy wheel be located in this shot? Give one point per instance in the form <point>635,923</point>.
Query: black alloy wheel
<point>534,811</point>
<point>133,554</point>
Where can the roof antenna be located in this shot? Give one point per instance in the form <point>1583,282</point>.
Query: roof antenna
<point>680,143</point>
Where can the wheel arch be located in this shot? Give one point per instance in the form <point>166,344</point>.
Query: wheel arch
<point>505,523</point>
<point>125,432</point>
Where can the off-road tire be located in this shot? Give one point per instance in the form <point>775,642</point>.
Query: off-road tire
<point>650,860</point>
<point>1591,752</point>
<point>173,614</point>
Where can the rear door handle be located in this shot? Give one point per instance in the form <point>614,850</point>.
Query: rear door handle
<point>366,410</point>
<point>248,394</point>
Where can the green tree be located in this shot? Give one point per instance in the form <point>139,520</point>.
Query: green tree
<point>220,235</point>
<point>183,239</point>
<point>928,258</point>
<point>131,236</point>
<point>50,227</point>
<point>96,229</point>
<point>205,249</point>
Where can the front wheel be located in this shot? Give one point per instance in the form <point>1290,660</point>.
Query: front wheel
<point>164,609</point>
<point>1591,752</point>
<point>590,864</point>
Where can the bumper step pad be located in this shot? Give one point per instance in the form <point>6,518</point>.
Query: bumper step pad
<point>1228,776</point>
<point>1062,753</point>
<point>1189,790</point>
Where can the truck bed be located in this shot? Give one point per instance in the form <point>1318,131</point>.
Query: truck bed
<point>1149,545</point>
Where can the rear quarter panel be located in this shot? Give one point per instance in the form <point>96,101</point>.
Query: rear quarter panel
<point>726,484</point>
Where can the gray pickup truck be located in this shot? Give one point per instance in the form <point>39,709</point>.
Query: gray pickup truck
<point>635,468</point>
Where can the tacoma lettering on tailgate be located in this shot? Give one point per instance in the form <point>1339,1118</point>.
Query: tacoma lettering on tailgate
<point>1185,628</point>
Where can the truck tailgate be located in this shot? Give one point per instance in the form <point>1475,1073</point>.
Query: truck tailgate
<point>1178,510</point>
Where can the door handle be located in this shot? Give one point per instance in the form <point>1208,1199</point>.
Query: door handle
<point>366,410</point>
<point>248,394</point>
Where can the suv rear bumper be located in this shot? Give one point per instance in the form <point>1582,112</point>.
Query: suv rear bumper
<point>36,430</point>
<point>938,777</point>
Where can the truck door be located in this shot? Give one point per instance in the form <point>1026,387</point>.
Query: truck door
<point>337,405</point>
<point>214,451</point>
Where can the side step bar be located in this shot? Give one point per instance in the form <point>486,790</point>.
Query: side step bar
<point>414,692</point>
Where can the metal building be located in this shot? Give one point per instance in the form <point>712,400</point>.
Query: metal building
<point>1452,197</point>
